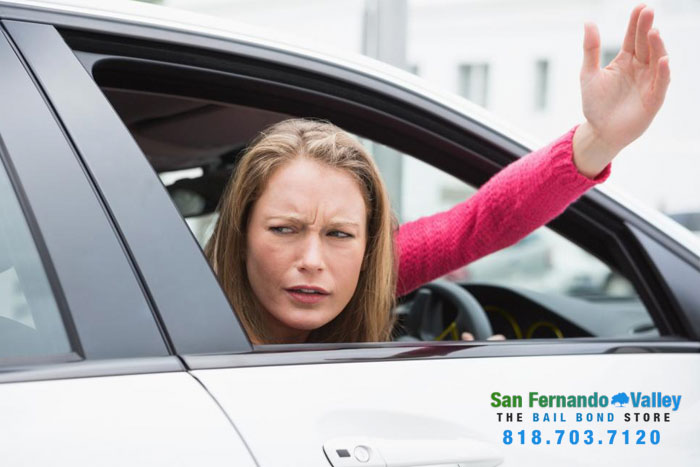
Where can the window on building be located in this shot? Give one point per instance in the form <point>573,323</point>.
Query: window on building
<point>541,84</point>
<point>474,82</point>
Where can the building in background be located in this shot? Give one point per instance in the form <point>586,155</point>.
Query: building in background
<point>520,60</point>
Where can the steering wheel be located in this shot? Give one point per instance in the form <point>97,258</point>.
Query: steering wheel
<point>425,321</point>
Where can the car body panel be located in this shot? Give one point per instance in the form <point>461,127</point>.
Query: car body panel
<point>159,419</point>
<point>416,401</point>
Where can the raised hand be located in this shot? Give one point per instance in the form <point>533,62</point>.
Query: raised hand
<point>620,100</point>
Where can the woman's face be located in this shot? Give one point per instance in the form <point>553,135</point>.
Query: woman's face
<point>306,241</point>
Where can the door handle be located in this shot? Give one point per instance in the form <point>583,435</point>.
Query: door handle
<point>379,452</point>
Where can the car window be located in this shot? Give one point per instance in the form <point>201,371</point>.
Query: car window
<point>564,291</point>
<point>543,261</point>
<point>189,204</point>
<point>195,151</point>
<point>30,321</point>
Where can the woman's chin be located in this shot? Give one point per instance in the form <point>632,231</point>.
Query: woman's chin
<point>306,319</point>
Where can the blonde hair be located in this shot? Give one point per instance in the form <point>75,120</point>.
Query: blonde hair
<point>367,317</point>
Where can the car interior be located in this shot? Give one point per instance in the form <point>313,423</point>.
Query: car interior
<point>193,144</point>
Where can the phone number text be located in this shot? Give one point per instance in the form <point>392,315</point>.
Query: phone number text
<point>575,437</point>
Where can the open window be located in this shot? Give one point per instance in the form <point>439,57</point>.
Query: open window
<point>193,113</point>
<point>545,286</point>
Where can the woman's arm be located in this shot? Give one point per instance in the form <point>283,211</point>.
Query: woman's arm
<point>619,103</point>
<point>517,200</point>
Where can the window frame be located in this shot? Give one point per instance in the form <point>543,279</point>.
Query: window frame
<point>140,209</point>
<point>81,287</point>
<point>356,120</point>
<point>438,135</point>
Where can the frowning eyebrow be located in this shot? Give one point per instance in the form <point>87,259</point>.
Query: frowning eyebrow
<point>299,220</point>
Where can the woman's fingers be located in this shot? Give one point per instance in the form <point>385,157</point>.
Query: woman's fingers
<point>661,82</point>
<point>630,36</point>
<point>641,44</point>
<point>658,60</point>
<point>591,50</point>
<point>656,46</point>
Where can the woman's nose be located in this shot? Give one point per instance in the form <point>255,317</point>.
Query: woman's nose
<point>311,258</point>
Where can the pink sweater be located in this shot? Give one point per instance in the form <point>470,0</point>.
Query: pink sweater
<point>520,198</point>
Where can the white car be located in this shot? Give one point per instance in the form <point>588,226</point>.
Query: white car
<point>118,347</point>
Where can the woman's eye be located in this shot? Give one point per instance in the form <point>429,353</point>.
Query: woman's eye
<point>282,230</point>
<point>339,234</point>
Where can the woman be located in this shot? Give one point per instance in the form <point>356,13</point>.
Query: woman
<point>305,247</point>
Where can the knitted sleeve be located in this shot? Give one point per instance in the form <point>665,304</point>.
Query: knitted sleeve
<point>525,195</point>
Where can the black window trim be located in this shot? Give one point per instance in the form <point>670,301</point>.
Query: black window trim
<point>66,318</point>
<point>314,354</point>
<point>192,311</point>
<point>81,294</point>
<point>37,237</point>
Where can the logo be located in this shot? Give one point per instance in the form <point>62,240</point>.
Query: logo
<point>620,399</point>
<point>582,419</point>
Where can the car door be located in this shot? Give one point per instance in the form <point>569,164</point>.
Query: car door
<point>86,374</point>
<point>620,401</point>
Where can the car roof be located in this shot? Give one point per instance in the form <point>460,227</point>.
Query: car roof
<point>131,12</point>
